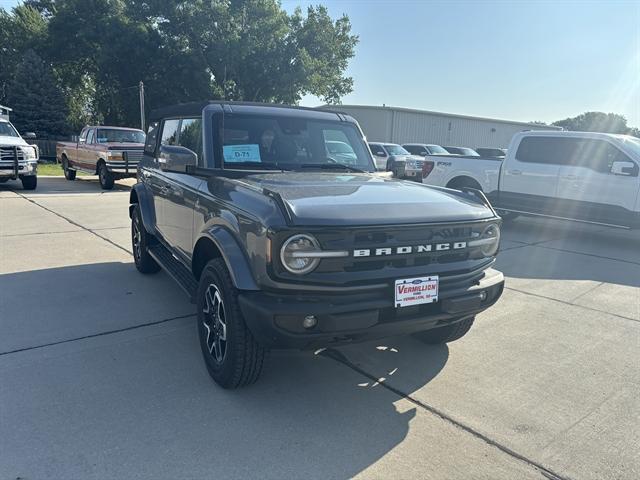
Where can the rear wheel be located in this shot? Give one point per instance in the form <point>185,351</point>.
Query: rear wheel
<point>446,334</point>
<point>68,173</point>
<point>140,241</point>
<point>105,177</point>
<point>30,182</point>
<point>507,217</point>
<point>232,356</point>
<point>464,182</point>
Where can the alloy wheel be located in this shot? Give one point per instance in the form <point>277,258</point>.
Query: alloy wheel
<point>215,324</point>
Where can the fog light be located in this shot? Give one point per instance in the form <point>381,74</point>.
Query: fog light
<point>309,321</point>
<point>483,296</point>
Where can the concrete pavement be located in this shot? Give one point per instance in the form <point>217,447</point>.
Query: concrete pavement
<point>101,375</point>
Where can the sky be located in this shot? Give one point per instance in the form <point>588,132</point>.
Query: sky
<point>515,60</point>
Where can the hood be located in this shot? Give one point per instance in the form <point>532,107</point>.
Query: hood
<point>123,146</point>
<point>11,141</point>
<point>323,198</point>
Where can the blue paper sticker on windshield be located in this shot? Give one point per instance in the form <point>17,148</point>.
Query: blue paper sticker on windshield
<point>241,153</point>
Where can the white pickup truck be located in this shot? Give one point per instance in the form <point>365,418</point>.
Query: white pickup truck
<point>584,176</point>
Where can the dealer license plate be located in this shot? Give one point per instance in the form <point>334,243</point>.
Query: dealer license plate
<point>416,291</point>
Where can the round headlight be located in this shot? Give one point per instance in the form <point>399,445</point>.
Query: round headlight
<point>491,237</point>
<point>292,254</point>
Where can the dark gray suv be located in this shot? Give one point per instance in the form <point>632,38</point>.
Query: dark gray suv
<point>282,244</point>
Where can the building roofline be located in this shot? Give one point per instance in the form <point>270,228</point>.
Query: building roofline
<point>336,108</point>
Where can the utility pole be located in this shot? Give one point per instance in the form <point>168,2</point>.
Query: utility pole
<point>141,85</point>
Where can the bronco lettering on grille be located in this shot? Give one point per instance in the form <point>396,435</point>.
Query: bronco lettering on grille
<point>432,247</point>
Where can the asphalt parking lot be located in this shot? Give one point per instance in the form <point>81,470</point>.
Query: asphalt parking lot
<point>101,375</point>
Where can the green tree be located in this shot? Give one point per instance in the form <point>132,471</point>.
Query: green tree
<point>37,101</point>
<point>595,122</point>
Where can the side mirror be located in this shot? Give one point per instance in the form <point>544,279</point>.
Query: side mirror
<point>624,168</point>
<point>174,158</point>
<point>29,135</point>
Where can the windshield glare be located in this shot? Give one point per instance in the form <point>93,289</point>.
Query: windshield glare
<point>7,130</point>
<point>289,143</point>
<point>396,150</point>
<point>437,150</point>
<point>109,135</point>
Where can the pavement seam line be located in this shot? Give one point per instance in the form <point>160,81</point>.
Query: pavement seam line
<point>589,255</point>
<point>100,334</point>
<point>587,292</point>
<point>340,358</point>
<point>75,224</point>
<point>573,304</point>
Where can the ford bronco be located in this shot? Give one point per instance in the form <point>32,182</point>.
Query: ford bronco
<point>281,244</point>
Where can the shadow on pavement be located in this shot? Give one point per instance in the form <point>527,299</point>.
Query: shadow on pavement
<point>103,406</point>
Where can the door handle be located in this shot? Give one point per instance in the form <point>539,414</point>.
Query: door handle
<point>570,177</point>
<point>515,172</point>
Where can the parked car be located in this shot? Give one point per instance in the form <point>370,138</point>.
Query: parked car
<point>341,152</point>
<point>393,158</point>
<point>462,151</point>
<point>492,152</point>
<point>109,152</point>
<point>424,149</point>
<point>584,176</point>
<point>18,159</point>
<point>281,247</point>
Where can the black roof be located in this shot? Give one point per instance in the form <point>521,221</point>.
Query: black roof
<point>195,108</point>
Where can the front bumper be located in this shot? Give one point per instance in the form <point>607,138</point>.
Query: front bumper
<point>15,170</point>
<point>275,320</point>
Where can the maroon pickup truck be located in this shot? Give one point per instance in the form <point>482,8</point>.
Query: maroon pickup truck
<point>109,152</point>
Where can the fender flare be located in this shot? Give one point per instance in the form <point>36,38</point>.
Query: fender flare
<point>233,256</point>
<point>140,195</point>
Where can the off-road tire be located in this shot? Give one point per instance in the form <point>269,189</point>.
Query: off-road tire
<point>30,182</point>
<point>446,334</point>
<point>244,357</point>
<point>105,177</point>
<point>144,262</point>
<point>68,173</point>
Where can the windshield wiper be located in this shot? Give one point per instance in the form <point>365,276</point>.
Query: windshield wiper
<point>332,166</point>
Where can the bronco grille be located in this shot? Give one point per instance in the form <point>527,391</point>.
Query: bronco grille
<point>395,247</point>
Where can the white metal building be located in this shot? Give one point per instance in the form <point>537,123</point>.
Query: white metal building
<point>404,125</point>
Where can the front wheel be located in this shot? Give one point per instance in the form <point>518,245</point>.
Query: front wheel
<point>446,334</point>
<point>105,177</point>
<point>68,173</point>
<point>30,182</point>
<point>140,241</point>
<point>232,356</point>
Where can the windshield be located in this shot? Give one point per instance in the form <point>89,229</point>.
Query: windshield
<point>7,130</point>
<point>396,150</point>
<point>117,135</point>
<point>290,143</point>
<point>437,150</point>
